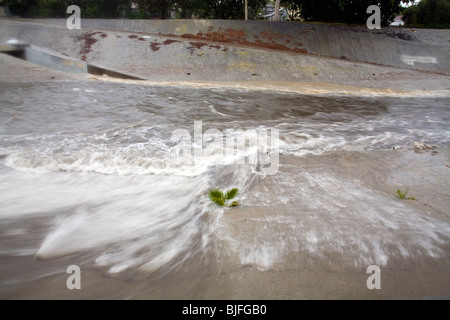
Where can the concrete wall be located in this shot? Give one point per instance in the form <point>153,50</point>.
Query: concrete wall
<point>422,49</point>
<point>211,50</point>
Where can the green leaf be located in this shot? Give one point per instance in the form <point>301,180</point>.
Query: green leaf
<point>231,193</point>
<point>401,194</point>
<point>221,199</point>
<point>215,193</point>
<point>216,196</point>
<point>234,204</point>
<point>218,201</point>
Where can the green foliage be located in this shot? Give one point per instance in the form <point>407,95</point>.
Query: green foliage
<point>402,195</point>
<point>293,10</point>
<point>219,9</point>
<point>162,9</point>
<point>222,199</point>
<point>57,8</point>
<point>345,11</point>
<point>428,14</point>
<point>135,14</point>
<point>157,8</point>
<point>101,8</point>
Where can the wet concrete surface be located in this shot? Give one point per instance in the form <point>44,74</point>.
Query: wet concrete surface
<point>185,50</point>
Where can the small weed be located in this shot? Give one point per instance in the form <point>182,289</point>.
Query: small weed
<point>402,195</point>
<point>223,198</point>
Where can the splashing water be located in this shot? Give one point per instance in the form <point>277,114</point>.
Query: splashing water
<point>95,169</point>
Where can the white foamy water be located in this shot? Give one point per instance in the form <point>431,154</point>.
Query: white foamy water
<point>334,219</point>
<point>93,168</point>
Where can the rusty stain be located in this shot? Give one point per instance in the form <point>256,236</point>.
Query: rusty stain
<point>103,35</point>
<point>229,36</point>
<point>88,40</point>
<point>155,46</point>
<point>169,41</point>
<point>141,39</point>
<point>234,36</point>
<point>268,35</point>
<point>132,36</point>
<point>195,45</point>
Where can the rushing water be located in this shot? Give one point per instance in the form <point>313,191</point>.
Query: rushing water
<point>95,168</point>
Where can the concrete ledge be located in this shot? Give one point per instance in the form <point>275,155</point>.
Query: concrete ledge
<point>12,47</point>
<point>54,60</point>
<point>96,70</point>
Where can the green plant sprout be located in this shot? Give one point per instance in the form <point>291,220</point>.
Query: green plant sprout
<point>223,198</point>
<point>402,195</point>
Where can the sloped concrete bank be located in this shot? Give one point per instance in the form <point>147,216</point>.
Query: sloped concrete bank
<point>422,49</point>
<point>216,50</point>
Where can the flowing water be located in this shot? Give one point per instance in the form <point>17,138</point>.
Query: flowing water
<point>96,171</point>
